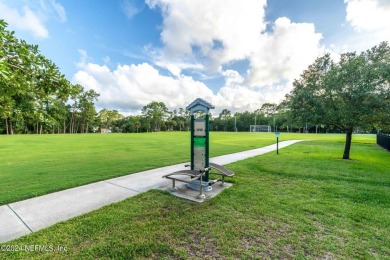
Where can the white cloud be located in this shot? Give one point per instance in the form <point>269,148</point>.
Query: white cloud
<point>130,8</point>
<point>83,58</point>
<point>176,67</point>
<point>203,36</point>
<point>369,18</point>
<point>106,60</point>
<point>27,20</point>
<point>128,88</point>
<point>238,97</point>
<point>232,78</point>
<point>214,34</point>
<point>31,16</point>
<point>217,32</point>
<point>60,10</point>
<point>284,53</point>
<point>368,15</point>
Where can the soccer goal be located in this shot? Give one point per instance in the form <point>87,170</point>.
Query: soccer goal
<point>260,128</point>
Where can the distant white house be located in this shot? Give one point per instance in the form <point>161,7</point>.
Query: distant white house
<point>104,130</point>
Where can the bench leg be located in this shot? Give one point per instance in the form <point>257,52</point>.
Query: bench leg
<point>223,180</point>
<point>174,185</point>
<point>201,195</point>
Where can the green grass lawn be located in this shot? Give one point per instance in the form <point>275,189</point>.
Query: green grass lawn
<point>303,203</point>
<point>33,165</point>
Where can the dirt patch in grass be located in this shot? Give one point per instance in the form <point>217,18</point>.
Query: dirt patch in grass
<point>201,246</point>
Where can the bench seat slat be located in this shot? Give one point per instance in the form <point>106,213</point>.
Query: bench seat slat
<point>222,169</point>
<point>191,173</point>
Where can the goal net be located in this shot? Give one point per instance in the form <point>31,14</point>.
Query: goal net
<point>260,128</point>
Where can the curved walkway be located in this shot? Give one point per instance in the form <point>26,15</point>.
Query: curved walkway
<point>23,217</point>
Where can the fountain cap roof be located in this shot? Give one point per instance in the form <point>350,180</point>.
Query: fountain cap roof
<point>199,104</point>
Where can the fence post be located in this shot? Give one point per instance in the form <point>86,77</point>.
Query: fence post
<point>383,140</point>
<point>388,142</point>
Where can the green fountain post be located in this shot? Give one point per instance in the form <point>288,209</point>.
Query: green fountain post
<point>200,139</point>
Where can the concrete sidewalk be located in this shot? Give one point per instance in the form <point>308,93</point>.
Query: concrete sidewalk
<point>23,217</point>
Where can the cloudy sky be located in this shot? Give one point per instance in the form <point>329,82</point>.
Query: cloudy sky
<point>236,54</point>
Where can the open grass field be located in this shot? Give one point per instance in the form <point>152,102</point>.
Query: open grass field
<point>303,203</point>
<point>33,165</point>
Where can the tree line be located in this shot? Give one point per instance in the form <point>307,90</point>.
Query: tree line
<point>35,97</point>
<point>157,117</point>
<point>350,95</point>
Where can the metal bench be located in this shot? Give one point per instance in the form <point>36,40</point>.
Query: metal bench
<point>222,171</point>
<point>195,177</point>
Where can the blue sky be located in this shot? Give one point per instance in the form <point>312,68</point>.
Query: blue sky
<point>235,54</point>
